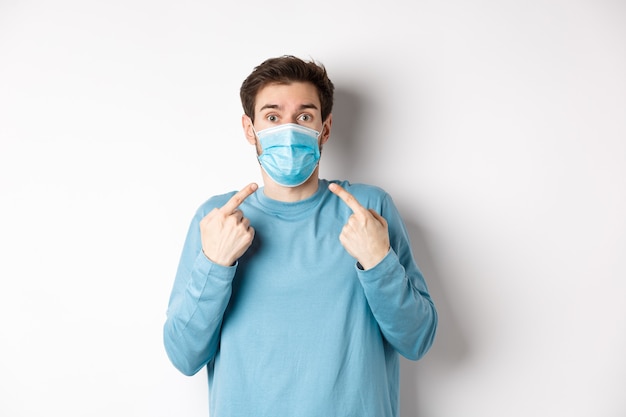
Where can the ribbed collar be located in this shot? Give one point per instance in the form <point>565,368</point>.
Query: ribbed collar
<point>292,210</point>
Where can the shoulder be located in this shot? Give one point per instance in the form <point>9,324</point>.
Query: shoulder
<point>368,195</point>
<point>215,201</point>
<point>360,188</point>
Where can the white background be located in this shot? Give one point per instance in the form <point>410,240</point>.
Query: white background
<point>499,128</point>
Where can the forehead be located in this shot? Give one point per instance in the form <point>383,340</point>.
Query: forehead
<point>287,96</point>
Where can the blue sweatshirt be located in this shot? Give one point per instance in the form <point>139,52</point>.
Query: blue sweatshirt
<point>296,327</point>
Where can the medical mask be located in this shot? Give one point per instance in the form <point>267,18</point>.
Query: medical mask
<point>290,153</point>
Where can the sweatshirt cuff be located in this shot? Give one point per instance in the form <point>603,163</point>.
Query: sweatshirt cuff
<point>205,267</point>
<point>388,264</point>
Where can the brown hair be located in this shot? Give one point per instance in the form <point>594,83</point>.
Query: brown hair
<point>286,70</point>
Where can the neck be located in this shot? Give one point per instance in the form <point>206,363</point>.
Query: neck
<point>290,194</point>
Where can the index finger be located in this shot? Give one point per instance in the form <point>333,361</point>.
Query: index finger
<point>347,198</point>
<point>236,200</point>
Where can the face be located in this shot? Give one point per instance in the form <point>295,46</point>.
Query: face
<point>277,104</point>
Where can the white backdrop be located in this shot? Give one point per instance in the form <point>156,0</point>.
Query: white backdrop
<point>499,128</point>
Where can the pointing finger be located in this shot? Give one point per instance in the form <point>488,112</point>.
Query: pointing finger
<point>347,198</point>
<point>236,200</point>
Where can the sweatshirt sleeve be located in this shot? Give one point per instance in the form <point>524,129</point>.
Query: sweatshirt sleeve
<point>397,293</point>
<point>199,297</point>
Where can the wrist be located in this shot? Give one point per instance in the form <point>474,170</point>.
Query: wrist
<point>217,261</point>
<point>372,261</point>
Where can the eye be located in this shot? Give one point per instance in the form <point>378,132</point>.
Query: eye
<point>272,117</point>
<point>305,117</point>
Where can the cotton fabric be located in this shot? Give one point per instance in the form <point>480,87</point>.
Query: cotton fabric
<point>296,327</point>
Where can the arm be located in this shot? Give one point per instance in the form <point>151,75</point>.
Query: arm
<point>397,293</point>
<point>197,303</point>
<point>203,283</point>
<point>393,284</point>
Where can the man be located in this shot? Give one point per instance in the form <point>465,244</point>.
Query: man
<point>297,296</point>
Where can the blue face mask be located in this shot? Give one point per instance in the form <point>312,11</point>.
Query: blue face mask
<point>290,153</point>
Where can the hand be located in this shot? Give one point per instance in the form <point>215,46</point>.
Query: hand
<point>365,237</point>
<point>225,233</point>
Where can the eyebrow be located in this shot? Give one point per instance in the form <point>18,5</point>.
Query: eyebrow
<point>276,106</point>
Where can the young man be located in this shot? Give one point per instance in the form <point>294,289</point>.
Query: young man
<point>297,296</point>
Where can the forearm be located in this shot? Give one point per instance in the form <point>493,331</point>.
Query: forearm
<point>401,305</point>
<point>194,316</point>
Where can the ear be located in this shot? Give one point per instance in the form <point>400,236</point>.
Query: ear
<point>326,126</point>
<point>248,130</point>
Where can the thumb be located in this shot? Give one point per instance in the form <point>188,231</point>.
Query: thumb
<point>378,217</point>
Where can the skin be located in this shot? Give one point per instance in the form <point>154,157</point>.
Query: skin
<point>226,233</point>
<point>365,236</point>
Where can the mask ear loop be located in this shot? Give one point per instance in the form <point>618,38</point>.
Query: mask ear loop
<point>257,145</point>
<point>319,141</point>
<point>256,136</point>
